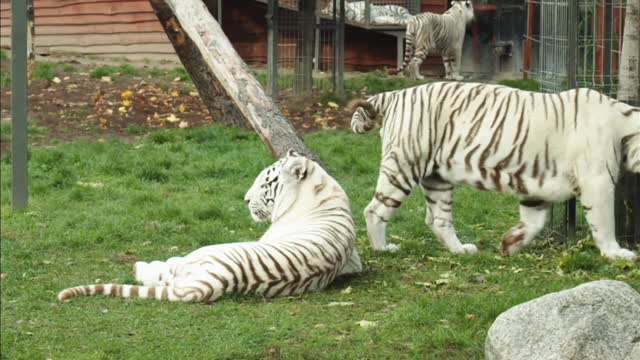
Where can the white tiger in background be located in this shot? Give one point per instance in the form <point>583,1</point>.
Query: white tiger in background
<point>543,147</point>
<point>312,239</point>
<point>379,14</point>
<point>437,33</point>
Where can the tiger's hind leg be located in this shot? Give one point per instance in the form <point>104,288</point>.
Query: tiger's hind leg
<point>438,195</point>
<point>391,191</point>
<point>598,201</point>
<point>533,214</point>
<point>352,266</point>
<point>155,273</point>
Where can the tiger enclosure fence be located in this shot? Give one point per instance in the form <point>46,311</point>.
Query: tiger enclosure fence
<point>578,43</point>
<point>306,40</point>
<point>305,47</point>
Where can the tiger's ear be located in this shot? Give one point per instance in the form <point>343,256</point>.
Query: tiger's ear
<point>468,3</point>
<point>292,152</point>
<point>296,168</point>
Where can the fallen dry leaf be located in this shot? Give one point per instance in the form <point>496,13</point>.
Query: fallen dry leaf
<point>340,303</point>
<point>126,95</point>
<point>184,124</point>
<point>367,324</point>
<point>56,80</point>
<point>347,290</point>
<point>172,118</point>
<point>106,79</point>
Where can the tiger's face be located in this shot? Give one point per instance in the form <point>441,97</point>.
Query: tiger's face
<point>631,152</point>
<point>466,7</point>
<point>275,187</point>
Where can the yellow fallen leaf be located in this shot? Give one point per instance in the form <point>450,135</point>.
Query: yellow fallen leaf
<point>183,124</point>
<point>182,108</point>
<point>126,103</point>
<point>332,104</point>
<point>172,118</point>
<point>175,93</point>
<point>122,109</point>
<point>56,80</point>
<point>126,95</point>
<point>106,79</point>
<point>103,121</point>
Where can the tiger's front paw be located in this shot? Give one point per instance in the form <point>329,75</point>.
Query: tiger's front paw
<point>465,249</point>
<point>623,254</point>
<point>469,248</point>
<point>391,247</point>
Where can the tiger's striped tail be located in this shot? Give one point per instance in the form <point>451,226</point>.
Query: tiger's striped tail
<point>364,115</point>
<point>409,49</point>
<point>120,290</point>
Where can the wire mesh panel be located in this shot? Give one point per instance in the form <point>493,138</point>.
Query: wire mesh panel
<point>305,46</point>
<point>564,49</point>
<point>599,41</point>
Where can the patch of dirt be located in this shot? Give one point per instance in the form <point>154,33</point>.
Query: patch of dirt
<point>75,105</point>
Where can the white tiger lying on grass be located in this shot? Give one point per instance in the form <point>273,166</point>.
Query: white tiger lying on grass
<point>440,33</point>
<point>311,240</point>
<point>544,147</point>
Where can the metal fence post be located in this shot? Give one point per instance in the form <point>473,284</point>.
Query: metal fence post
<point>339,59</point>
<point>19,147</point>
<point>272,49</point>
<point>572,55</point>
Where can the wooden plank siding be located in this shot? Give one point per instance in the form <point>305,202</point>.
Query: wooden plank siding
<point>94,27</point>
<point>130,29</point>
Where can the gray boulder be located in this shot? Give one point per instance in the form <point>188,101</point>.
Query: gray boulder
<point>599,320</point>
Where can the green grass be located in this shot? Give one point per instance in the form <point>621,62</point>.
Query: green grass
<point>174,191</point>
<point>522,84</point>
<point>111,70</point>
<point>5,78</point>
<point>377,81</point>
<point>34,131</point>
<point>4,55</point>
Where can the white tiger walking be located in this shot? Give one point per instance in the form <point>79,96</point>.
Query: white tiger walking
<point>442,33</point>
<point>543,147</point>
<point>311,240</point>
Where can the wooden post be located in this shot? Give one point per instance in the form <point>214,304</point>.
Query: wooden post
<point>272,48</point>
<point>19,105</point>
<point>219,72</point>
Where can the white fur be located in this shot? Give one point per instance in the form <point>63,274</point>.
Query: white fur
<point>426,34</point>
<point>311,241</point>
<point>544,147</point>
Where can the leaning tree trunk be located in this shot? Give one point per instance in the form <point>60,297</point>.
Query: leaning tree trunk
<point>224,81</point>
<point>629,82</point>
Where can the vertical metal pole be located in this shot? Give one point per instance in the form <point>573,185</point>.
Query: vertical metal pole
<point>399,50</point>
<point>309,25</point>
<point>367,12</point>
<point>608,46</point>
<point>19,175</point>
<point>339,89</point>
<point>572,55</point>
<point>316,47</point>
<point>335,44</point>
<point>272,49</point>
<point>219,13</point>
